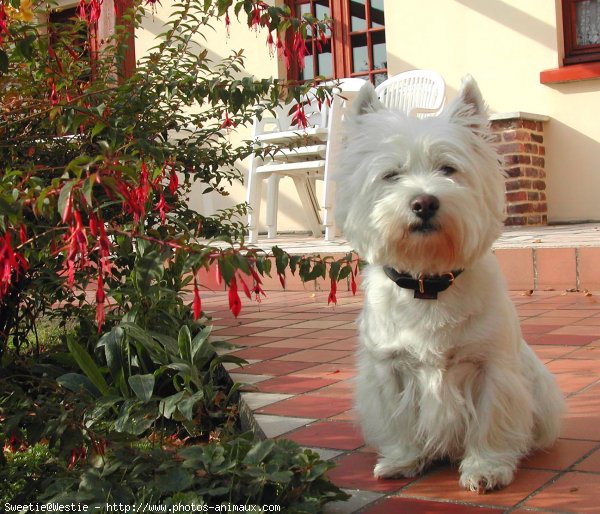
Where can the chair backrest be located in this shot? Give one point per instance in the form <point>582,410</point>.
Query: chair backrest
<point>316,115</point>
<point>416,92</point>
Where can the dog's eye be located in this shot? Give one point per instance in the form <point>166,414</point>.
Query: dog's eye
<point>448,170</point>
<point>392,175</point>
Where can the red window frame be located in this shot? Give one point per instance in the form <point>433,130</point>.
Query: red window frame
<point>341,40</point>
<point>574,53</point>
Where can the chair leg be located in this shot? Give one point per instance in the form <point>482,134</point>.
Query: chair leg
<point>272,205</point>
<point>308,199</point>
<point>254,198</point>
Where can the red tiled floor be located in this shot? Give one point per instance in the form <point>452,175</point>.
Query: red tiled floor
<point>355,471</point>
<point>312,358</point>
<point>293,384</point>
<point>400,505</point>
<point>272,367</point>
<point>573,492</point>
<point>260,352</point>
<point>443,484</point>
<point>330,370</point>
<point>315,355</point>
<point>563,454</point>
<point>339,435</point>
<point>309,406</point>
<point>590,463</point>
<point>569,340</point>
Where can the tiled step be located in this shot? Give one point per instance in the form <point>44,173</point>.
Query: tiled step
<point>567,268</point>
<point>556,257</point>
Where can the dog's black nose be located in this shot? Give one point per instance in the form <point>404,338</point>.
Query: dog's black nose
<point>425,206</point>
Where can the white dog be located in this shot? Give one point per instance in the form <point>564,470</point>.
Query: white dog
<point>443,369</point>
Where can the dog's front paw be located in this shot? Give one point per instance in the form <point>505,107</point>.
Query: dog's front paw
<point>387,467</point>
<point>484,478</point>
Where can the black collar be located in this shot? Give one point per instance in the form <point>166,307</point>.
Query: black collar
<point>425,287</point>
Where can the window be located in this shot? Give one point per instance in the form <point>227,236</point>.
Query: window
<point>86,37</point>
<point>355,47</point>
<point>581,22</point>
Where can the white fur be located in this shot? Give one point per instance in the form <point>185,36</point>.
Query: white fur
<point>450,377</point>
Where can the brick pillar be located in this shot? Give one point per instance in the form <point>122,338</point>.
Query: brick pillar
<point>520,142</point>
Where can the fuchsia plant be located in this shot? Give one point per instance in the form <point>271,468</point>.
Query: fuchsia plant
<point>91,179</point>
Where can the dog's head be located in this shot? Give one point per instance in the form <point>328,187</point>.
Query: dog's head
<point>421,195</point>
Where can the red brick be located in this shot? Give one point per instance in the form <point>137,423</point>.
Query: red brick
<point>517,196</point>
<point>514,172</point>
<point>532,172</point>
<point>538,161</point>
<point>533,195</point>
<point>531,125</point>
<point>538,138</point>
<point>515,221</point>
<point>518,208</point>
<point>539,184</point>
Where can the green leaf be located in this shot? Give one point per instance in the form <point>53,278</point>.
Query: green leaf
<point>168,405</point>
<point>98,127</point>
<point>88,366</point>
<point>186,405</point>
<point>259,452</point>
<point>142,386</point>
<point>184,341</point>
<point>113,350</point>
<point>76,382</point>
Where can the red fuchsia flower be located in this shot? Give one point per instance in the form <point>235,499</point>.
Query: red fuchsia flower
<point>235,304</point>
<point>173,182</point>
<point>77,247</point>
<point>97,230</point>
<point>353,281</point>
<point>299,49</point>
<point>332,292</point>
<point>271,44</point>
<point>3,21</point>
<point>77,454</point>
<point>197,304</point>
<point>54,98</point>
<point>245,288</point>
<point>100,300</point>
<point>162,208</point>
<point>22,234</point>
<point>227,22</point>
<point>299,117</point>
<point>256,287</point>
<point>11,263</point>
<point>227,123</point>
<point>90,11</point>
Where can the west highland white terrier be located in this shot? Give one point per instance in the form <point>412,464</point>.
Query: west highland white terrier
<point>443,371</point>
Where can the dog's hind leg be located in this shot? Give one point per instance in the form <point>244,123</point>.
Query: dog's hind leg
<point>397,462</point>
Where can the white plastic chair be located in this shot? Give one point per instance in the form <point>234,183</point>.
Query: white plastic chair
<point>305,155</point>
<point>417,92</point>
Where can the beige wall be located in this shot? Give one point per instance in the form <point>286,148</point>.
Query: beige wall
<point>505,44</point>
<point>259,64</point>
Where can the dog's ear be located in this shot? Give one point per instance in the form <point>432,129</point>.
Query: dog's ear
<point>366,101</point>
<point>468,108</point>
